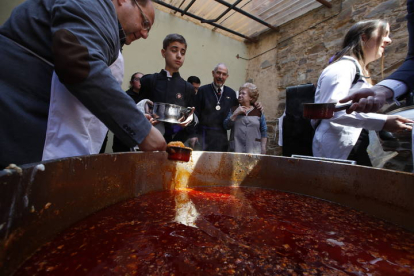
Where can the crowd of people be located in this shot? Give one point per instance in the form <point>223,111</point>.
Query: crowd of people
<point>62,88</point>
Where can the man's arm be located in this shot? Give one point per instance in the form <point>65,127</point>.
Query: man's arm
<point>81,56</point>
<point>368,99</point>
<point>153,141</point>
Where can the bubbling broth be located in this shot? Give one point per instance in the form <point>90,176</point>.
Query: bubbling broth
<point>226,231</point>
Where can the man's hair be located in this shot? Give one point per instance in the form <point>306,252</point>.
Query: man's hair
<point>221,64</point>
<point>252,90</point>
<point>173,38</point>
<point>193,79</point>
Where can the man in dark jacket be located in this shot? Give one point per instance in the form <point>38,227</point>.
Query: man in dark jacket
<point>213,103</point>
<point>79,51</point>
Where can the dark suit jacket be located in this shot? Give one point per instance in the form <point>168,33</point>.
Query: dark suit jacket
<point>406,71</point>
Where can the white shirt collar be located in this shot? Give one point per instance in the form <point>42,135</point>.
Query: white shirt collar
<point>168,74</point>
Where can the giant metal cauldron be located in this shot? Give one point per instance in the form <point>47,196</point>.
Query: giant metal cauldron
<point>36,204</point>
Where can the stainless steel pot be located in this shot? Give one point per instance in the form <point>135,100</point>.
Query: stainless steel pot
<point>46,198</point>
<point>170,113</point>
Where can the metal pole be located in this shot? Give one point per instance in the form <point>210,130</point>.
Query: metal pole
<point>188,7</point>
<point>201,19</point>
<point>326,3</point>
<point>224,13</point>
<point>248,15</point>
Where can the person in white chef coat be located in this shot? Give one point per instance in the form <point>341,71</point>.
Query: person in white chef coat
<point>345,136</point>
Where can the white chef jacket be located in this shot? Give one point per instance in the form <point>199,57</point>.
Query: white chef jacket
<point>335,137</point>
<point>72,130</point>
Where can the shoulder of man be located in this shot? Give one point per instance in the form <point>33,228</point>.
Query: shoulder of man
<point>205,87</point>
<point>230,90</point>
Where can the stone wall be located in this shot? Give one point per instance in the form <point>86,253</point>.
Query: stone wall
<point>301,49</point>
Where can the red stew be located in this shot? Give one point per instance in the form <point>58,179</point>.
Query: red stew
<point>226,231</point>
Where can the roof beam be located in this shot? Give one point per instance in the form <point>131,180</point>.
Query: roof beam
<point>188,7</point>
<point>224,3</point>
<point>159,2</point>
<point>223,14</point>
<point>325,3</point>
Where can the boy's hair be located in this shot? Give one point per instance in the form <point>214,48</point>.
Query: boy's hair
<point>193,79</point>
<point>173,38</point>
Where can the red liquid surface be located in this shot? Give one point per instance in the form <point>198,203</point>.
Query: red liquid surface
<point>226,231</point>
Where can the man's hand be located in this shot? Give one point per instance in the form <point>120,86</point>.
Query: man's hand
<point>368,99</point>
<point>239,110</point>
<point>259,106</point>
<point>396,123</point>
<point>149,105</point>
<point>153,121</point>
<point>153,142</point>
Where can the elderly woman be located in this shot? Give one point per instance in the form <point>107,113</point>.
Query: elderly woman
<point>247,123</point>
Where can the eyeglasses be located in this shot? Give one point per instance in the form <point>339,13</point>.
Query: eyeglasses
<point>137,79</point>
<point>146,25</point>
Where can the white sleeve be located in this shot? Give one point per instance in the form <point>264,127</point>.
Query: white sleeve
<point>334,84</point>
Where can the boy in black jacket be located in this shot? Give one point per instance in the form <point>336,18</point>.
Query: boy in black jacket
<point>167,86</point>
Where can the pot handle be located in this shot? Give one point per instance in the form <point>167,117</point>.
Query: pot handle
<point>339,107</point>
<point>188,110</point>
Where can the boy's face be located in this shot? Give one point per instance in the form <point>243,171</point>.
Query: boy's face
<point>174,56</point>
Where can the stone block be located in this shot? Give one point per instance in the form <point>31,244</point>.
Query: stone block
<point>265,64</point>
<point>383,8</point>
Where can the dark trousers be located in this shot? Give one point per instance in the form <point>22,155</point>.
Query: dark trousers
<point>359,151</point>
<point>214,139</point>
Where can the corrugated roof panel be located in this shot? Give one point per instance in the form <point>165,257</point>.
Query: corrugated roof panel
<point>273,12</point>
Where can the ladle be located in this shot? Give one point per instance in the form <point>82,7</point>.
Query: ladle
<point>179,153</point>
<point>322,110</point>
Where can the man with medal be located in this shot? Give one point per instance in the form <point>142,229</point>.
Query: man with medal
<point>212,104</point>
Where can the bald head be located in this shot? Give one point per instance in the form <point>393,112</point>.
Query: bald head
<point>220,74</point>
